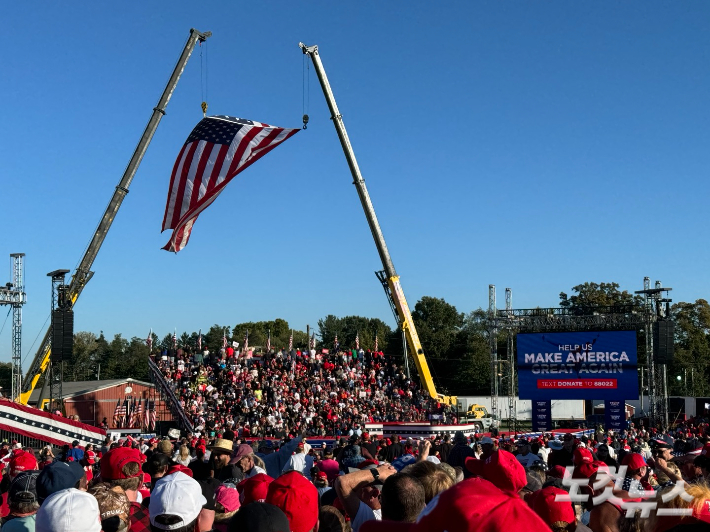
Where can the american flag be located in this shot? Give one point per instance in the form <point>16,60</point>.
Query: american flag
<point>290,341</point>
<point>246,342</point>
<point>123,413</point>
<point>217,150</point>
<point>138,415</point>
<point>117,414</point>
<point>149,340</point>
<point>268,342</point>
<point>357,340</point>
<point>175,339</point>
<point>146,414</point>
<point>153,417</point>
<point>313,341</point>
<point>129,413</point>
<point>375,343</point>
<point>199,341</point>
<point>224,340</point>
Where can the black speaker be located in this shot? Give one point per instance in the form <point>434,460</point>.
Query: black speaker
<point>62,334</point>
<point>68,336</point>
<point>663,341</point>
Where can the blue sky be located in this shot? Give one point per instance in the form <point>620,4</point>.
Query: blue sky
<point>532,145</point>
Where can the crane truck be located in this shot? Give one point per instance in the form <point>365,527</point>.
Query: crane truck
<point>83,272</point>
<point>389,276</point>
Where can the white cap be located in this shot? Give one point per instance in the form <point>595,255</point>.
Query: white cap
<point>69,510</point>
<point>176,494</point>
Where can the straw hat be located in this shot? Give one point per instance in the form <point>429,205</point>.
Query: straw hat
<point>221,444</point>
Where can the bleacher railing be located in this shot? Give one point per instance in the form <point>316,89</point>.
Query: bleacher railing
<point>156,376</point>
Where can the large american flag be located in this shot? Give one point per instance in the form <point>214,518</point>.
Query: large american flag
<point>215,152</point>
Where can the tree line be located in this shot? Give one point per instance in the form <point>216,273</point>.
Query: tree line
<point>456,344</point>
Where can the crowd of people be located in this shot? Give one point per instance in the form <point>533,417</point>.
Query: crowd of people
<point>256,461</point>
<point>641,480</point>
<point>293,392</point>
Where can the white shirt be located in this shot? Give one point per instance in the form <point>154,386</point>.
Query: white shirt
<point>365,513</point>
<point>297,462</point>
<point>255,471</point>
<point>528,459</point>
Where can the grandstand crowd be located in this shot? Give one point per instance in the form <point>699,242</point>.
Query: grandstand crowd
<point>256,462</point>
<point>289,392</point>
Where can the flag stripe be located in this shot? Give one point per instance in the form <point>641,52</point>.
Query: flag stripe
<point>178,162</point>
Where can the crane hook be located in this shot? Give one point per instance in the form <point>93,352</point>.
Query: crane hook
<point>305,121</point>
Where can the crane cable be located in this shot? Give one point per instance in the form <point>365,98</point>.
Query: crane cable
<point>203,77</point>
<point>306,94</point>
<point>5,322</point>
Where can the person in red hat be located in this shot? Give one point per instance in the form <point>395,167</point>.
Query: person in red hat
<point>558,514</point>
<point>254,489</point>
<point>473,505</point>
<point>502,469</point>
<point>297,462</point>
<point>122,467</point>
<point>298,499</point>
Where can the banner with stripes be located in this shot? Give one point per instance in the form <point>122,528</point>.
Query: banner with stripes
<point>46,427</point>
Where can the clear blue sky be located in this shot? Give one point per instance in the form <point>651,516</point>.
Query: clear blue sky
<point>532,145</point>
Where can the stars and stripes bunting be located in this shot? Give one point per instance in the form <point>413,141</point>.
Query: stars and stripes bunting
<point>46,427</point>
<point>219,148</point>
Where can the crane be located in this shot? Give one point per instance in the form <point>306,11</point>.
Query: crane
<point>395,287</point>
<point>83,273</point>
<point>13,294</point>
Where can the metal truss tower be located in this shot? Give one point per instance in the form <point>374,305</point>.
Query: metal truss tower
<point>510,370</point>
<point>13,294</point>
<point>493,343</point>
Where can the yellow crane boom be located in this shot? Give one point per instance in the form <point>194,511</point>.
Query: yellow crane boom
<point>395,288</point>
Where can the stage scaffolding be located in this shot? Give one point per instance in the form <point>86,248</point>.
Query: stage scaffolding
<point>612,318</point>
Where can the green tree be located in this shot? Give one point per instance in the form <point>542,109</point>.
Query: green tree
<point>438,323</point>
<point>692,348</point>
<point>590,295</point>
<point>348,327</point>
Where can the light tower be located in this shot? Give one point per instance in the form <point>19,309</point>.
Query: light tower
<point>13,294</point>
